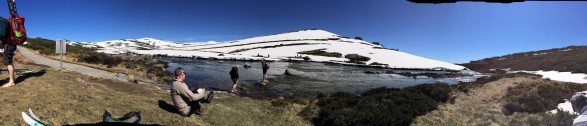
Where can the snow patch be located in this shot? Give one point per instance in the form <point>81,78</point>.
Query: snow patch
<point>566,106</point>
<point>537,54</point>
<point>566,50</point>
<point>561,76</point>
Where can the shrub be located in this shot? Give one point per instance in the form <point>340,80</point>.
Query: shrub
<point>379,106</point>
<point>538,97</point>
<point>358,38</point>
<point>439,91</point>
<point>356,58</point>
<point>321,52</point>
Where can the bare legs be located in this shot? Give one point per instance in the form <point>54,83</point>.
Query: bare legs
<point>235,83</point>
<point>11,75</point>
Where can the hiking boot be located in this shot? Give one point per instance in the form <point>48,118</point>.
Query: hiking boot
<point>209,97</point>
<point>198,112</point>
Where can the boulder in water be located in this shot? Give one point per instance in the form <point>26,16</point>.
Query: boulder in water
<point>291,71</point>
<point>247,66</point>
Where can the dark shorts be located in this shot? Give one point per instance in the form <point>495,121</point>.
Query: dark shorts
<point>233,75</point>
<point>9,53</point>
<point>265,71</point>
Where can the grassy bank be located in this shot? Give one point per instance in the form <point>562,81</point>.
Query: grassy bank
<point>61,97</point>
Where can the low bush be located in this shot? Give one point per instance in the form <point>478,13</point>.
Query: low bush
<point>538,97</point>
<point>153,69</point>
<point>380,106</point>
<point>356,58</point>
<point>321,52</point>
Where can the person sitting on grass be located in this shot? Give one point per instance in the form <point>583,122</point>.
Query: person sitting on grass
<point>234,77</point>
<point>579,104</point>
<point>184,100</point>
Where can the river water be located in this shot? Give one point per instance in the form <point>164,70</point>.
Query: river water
<point>316,77</point>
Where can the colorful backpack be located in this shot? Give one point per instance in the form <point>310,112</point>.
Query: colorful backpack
<point>18,31</point>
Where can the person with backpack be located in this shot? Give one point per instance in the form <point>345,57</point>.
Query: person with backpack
<point>265,67</point>
<point>12,33</point>
<point>234,77</point>
<point>184,100</point>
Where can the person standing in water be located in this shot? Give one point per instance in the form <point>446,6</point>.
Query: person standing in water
<point>265,67</point>
<point>234,77</point>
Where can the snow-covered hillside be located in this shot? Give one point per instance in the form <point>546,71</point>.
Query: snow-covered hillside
<point>285,46</point>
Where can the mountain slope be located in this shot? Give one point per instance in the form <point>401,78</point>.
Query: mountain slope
<point>284,46</point>
<point>572,58</point>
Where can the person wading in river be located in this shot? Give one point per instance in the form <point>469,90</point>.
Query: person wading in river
<point>265,67</point>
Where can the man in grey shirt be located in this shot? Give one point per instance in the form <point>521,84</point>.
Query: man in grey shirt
<point>184,100</point>
<point>579,104</point>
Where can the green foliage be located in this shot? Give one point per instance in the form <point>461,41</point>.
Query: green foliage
<point>561,118</point>
<point>380,106</point>
<point>44,46</point>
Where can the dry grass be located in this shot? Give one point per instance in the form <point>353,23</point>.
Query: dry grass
<point>61,97</point>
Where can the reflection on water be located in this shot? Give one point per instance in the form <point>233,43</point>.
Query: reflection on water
<point>316,77</point>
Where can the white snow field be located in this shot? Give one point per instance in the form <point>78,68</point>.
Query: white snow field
<point>275,47</point>
<point>580,78</point>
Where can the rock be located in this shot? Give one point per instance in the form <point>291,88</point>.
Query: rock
<point>371,72</point>
<point>307,58</point>
<point>290,71</point>
<point>220,54</point>
<point>247,66</point>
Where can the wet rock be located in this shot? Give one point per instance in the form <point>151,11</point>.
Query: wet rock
<point>290,71</point>
<point>247,66</point>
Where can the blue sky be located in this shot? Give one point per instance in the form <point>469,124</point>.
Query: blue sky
<point>453,33</point>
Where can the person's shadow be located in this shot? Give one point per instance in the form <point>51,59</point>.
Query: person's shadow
<point>166,106</point>
<point>170,108</point>
<point>25,76</point>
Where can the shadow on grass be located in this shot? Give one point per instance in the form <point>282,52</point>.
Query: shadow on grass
<point>166,106</point>
<point>23,77</point>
